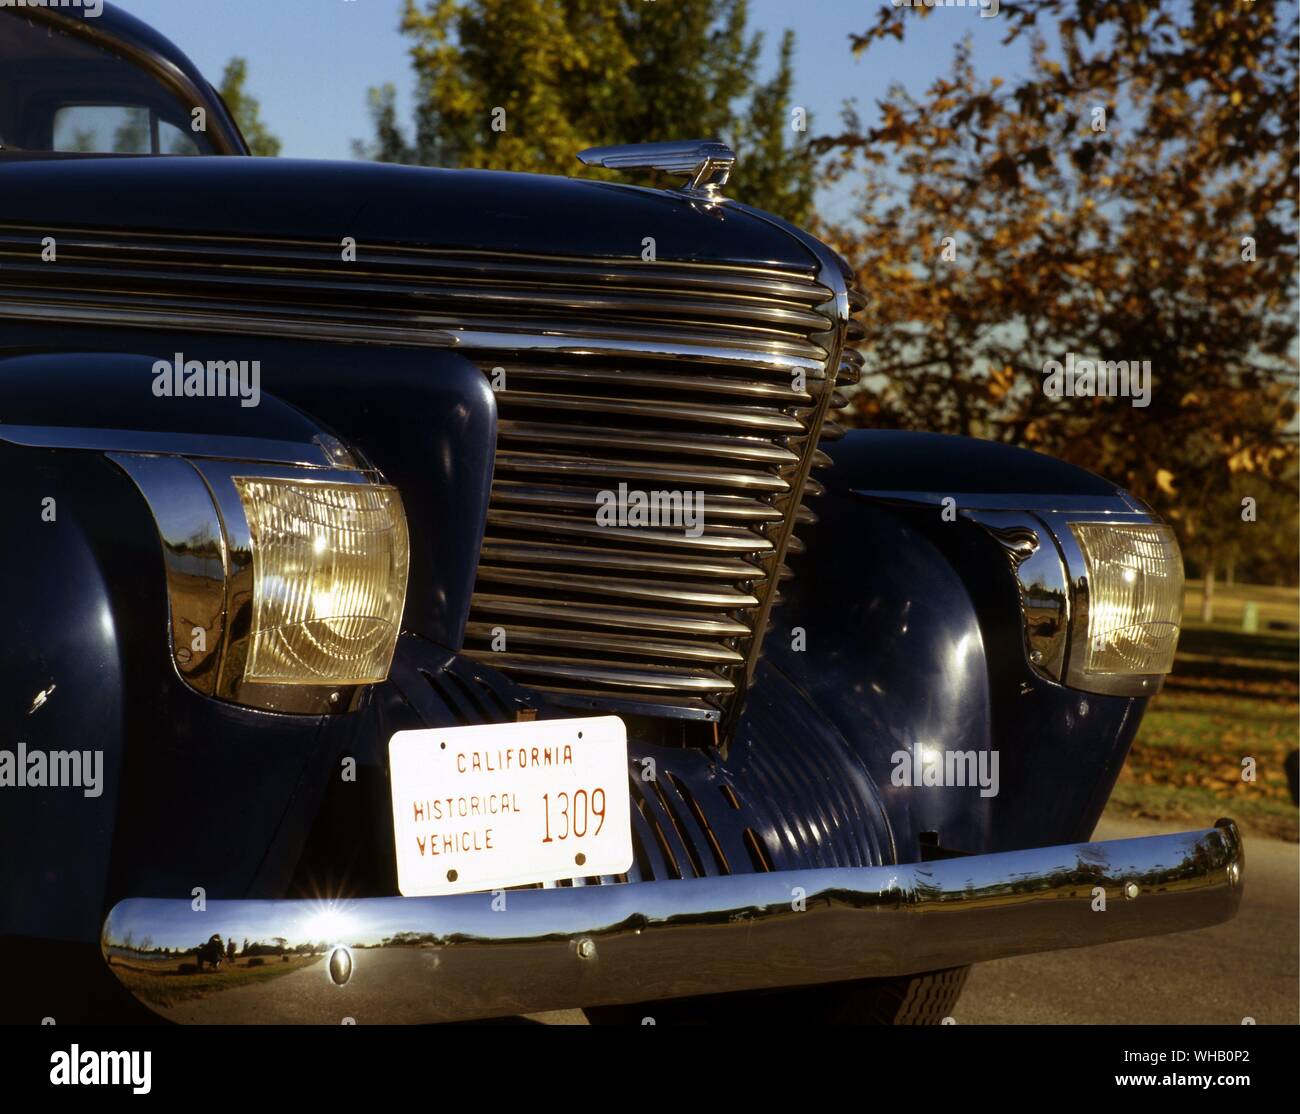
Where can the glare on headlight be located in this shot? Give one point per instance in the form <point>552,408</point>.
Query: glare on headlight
<point>1134,599</point>
<point>329,580</point>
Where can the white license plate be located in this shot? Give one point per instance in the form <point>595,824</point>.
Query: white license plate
<point>486,807</point>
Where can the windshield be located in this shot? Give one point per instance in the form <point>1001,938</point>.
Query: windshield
<point>61,93</point>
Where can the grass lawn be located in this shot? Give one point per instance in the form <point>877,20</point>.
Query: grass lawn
<point>1232,696</point>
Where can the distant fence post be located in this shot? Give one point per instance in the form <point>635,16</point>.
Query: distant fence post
<point>1250,617</point>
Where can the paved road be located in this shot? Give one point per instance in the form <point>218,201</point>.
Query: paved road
<point>1215,976</point>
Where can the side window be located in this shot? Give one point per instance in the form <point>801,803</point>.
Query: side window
<point>68,93</point>
<point>96,128</point>
<point>119,130</point>
<point>173,141</point>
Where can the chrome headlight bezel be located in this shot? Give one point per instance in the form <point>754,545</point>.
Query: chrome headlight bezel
<point>1051,572</point>
<point>208,553</point>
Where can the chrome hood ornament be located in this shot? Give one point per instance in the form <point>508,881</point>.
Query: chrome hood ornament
<point>705,163</point>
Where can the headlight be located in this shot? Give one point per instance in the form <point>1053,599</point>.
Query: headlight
<point>1101,590</point>
<point>286,577</point>
<point>329,579</point>
<point>1127,623</point>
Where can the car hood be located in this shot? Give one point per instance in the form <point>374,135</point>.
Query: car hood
<point>380,203</point>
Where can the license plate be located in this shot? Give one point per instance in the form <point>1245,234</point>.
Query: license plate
<point>486,807</point>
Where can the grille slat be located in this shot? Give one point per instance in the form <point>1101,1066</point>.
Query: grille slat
<point>565,613</point>
<point>686,594</point>
<point>715,446</point>
<point>640,646</point>
<point>604,466</point>
<point>545,554</point>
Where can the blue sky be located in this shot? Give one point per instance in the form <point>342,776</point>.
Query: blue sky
<point>311,61</point>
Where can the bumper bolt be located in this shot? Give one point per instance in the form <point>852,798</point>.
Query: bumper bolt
<point>586,949</point>
<point>1131,890</point>
<point>340,966</point>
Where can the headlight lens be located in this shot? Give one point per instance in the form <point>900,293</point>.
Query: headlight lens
<point>329,579</point>
<point>1134,599</point>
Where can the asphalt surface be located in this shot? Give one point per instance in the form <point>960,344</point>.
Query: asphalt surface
<point>1249,967</point>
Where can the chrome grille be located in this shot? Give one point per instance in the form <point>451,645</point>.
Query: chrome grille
<point>639,618</point>
<point>663,376</point>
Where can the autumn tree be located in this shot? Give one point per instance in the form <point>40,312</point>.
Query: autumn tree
<point>526,84</point>
<point>246,110</point>
<point>1132,199</point>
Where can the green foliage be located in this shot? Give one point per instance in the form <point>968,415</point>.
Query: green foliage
<point>525,84</point>
<point>246,110</point>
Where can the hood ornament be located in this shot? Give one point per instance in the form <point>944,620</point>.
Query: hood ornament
<point>705,163</point>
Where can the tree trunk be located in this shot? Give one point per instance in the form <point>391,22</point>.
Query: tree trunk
<point>1207,590</point>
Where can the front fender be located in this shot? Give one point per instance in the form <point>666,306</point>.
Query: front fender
<point>64,663</point>
<point>911,637</point>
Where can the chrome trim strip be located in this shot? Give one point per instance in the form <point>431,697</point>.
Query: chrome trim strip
<point>195,559</point>
<point>208,322</point>
<point>767,356</point>
<point>389,960</point>
<point>1009,501</point>
<point>755,354</point>
<point>1043,583</point>
<point>306,454</point>
<point>129,248</point>
<point>838,311</point>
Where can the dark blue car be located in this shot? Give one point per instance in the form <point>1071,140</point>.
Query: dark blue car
<point>450,593</point>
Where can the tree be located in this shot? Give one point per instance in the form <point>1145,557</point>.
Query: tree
<point>1131,199</point>
<point>526,84</point>
<point>246,110</point>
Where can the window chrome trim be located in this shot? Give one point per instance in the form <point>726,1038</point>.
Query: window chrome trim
<point>187,91</point>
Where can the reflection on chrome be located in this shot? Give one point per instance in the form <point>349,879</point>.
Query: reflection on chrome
<point>383,960</point>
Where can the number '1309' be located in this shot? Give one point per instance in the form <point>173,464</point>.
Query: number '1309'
<point>573,814</point>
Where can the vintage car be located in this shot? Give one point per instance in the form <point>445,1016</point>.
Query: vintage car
<point>452,586</point>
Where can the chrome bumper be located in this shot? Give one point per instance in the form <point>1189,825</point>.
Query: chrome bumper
<point>384,960</point>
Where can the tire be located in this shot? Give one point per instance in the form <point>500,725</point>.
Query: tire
<point>924,999</point>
